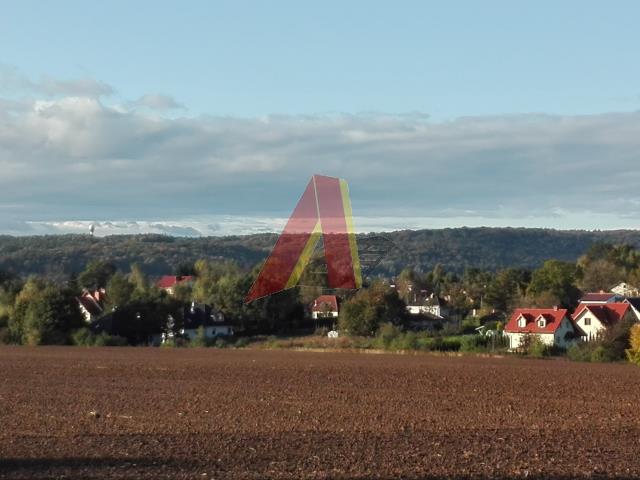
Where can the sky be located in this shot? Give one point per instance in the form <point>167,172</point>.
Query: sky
<point>208,118</point>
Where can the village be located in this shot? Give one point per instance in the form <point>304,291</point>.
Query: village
<point>553,326</point>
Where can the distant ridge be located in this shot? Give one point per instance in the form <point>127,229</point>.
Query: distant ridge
<point>454,248</point>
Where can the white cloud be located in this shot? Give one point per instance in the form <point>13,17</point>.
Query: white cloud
<point>11,81</point>
<point>75,156</point>
<point>157,101</point>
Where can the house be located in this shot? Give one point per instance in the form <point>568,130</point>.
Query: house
<point>552,326</point>
<point>91,304</point>
<point>168,282</point>
<point>601,297</point>
<point>431,305</point>
<point>200,315</point>
<point>625,290</point>
<point>325,306</point>
<point>593,319</point>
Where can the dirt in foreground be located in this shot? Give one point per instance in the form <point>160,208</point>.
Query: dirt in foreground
<point>192,413</point>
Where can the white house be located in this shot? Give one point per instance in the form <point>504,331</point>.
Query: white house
<point>432,305</point>
<point>625,290</point>
<point>552,326</point>
<point>325,306</point>
<point>593,319</point>
<point>203,316</point>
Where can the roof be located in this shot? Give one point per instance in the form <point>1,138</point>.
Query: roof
<point>597,297</point>
<point>169,281</point>
<point>552,316</point>
<point>324,301</point>
<point>90,304</point>
<point>608,313</point>
<point>201,315</point>
<point>634,301</point>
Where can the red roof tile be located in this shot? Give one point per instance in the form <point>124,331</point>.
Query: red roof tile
<point>552,316</point>
<point>169,281</point>
<point>608,313</point>
<point>330,300</point>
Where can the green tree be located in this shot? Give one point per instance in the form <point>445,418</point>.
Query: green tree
<point>45,314</point>
<point>370,307</point>
<point>600,275</point>
<point>119,290</point>
<point>96,274</point>
<point>557,278</point>
<point>507,289</point>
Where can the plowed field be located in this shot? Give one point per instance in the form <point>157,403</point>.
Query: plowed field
<point>206,413</point>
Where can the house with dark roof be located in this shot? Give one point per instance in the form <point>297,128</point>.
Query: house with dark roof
<point>601,298</point>
<point>430,305</point>
<point>552,326</point>
<point>592,319</point>
<point>202,316</point>
<point>168,283</point>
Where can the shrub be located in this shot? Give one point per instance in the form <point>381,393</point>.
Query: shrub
<point>603,354</point>
<point>242,342</point>
<point>321,332</point>
<point>86,338</point>
<point>534,347</point>
<point>580,352</point>
<point>633,353</point>
<point>83,337</point>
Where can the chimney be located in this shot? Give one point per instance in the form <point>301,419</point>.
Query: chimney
<point>555,308</point>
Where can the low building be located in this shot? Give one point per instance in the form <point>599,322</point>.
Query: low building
<point>324,307</point>
<point>596,298</point>
<point>625,290</point>
<point>91,304</point>
<point>432,305</point>
<point>552,326</point>
<point>168,283</point>
<point>593,319</point>
<point>212,322</point>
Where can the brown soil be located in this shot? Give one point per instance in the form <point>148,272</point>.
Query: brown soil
<point>192,413</point>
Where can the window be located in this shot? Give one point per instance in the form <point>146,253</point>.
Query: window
<point>522,322</point>
<point>541,323</point>
<point>587,321</point>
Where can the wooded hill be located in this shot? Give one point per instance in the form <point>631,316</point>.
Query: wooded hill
<point>454,248</point>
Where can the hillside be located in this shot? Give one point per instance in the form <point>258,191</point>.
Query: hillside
<point>455,248</point>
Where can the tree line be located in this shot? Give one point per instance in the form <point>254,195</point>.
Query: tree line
<point>39,310</point>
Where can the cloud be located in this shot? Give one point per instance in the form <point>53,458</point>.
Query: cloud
<point>12,81</point>
<point>77,157</point>
<point>157,101</point>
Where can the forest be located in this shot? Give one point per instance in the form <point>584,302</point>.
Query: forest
<point>455,249</point>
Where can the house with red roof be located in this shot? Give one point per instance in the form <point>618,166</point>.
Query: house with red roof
<point>593,319</point>
<point>91,304</point>
<point>168,282</point>
<point>553,326</point>
<point>325,306</point>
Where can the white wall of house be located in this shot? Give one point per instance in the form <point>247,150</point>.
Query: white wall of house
<point>85,313</point>
<point>421,309</point>
<point>589,324</point>
<point>209,332</point>
<point>517,339</point>
<point>561,332</point>
<point>316,315</point>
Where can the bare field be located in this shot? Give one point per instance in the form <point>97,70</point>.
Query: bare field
<point>206,413</point>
